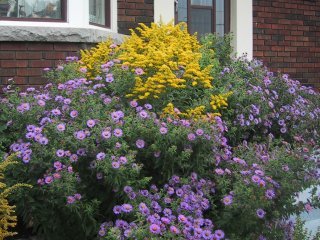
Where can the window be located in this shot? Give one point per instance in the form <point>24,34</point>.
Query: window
<point>204,16</point>
<point>48,10</point>
<point>99,12</point>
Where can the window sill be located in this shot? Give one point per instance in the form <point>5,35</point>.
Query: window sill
<point>90,34</point>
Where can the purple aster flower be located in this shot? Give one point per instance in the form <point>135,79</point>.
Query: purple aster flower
<point>80,135</point>
<point>48,179</point>
<point>182,218</point>
<point>61,127</point>
<point>283,130</point>
<point>199,132</point>
<point>133,103</point>
<point>56,112</point>
<point>157,154</point>
<point>109,78</point>
<point>219,171</point>
<point>140,143</point>
<point>227,200</point>
<point>163,130</point>
<point>81,152</point>
<point>101,156</point>
<point>30,135</point>
<point>270,194</point>
<point>174,230</point>
<point>106,134</point>
<point>91,123</point>
<point>143,114</point>
<point>107,100</point>
<point>148,106</point>
<point>260,213</point>
<point>57,165</point>
<point>70,199</point>
<point>74,114</point>
<point>219,234</point>
<point>127,189</point>
<point>67,101</point>
<point>191,136</point>
<point>117,209</point>
<point>73,158</point>
<point>123,160</point>
<point>43,140</point>
<point>77,196</point>
<point>117,132</point>
<point>139,71</point>
<point>206,234</point>
<point>60,153</point>
<point>115,165</point>
<point>126,208</point>
<point>155,229</point>
<point>255,179</point>
<point>102,232</point>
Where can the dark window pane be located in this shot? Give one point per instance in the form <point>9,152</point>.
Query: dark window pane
<point>201,21</point>
<point>97,11</point>
<point>220,17</point>
<point>31,8</point>
<point>202,2</point>
<point>182,11</point>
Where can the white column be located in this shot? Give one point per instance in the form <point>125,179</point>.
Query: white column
<point>164,10</point>
<point>242,27</point>
<point>78,13</point>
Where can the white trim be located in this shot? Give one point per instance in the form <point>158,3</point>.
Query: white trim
<point>242,27</point>
<point>77,17</point>
<point>164,11</point>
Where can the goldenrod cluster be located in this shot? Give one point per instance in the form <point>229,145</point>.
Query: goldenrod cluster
<point>92,59</point>
<point>169,57</point>
<point>7,217</point>
<point>219,101</point>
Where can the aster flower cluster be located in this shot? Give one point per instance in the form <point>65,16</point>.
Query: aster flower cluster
<point>270,103</point>
<point>176,212</point>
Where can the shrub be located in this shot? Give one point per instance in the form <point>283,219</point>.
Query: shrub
<point>82,140</point>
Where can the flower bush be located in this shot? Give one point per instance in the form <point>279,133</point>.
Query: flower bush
<point>94,147</point>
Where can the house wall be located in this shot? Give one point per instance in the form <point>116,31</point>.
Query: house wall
<point>286,37</point>
<point>25,61</point>
<point>132,12</point>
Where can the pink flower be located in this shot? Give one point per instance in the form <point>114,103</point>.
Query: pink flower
<point>139,71</point>
<point>140,143</point>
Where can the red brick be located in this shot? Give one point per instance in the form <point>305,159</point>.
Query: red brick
<point>29,72</point>
<point>14,63</point>
<point>55,55</point>
<point>7,55</point>
<point>66,47</point>
<point>13,46</point>
<point>38,46</point>
<point>40,63</point>
<point>28,55</point>
<point>7,72</point>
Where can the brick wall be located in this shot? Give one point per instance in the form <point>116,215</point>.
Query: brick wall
<point>132,12</point>
<point>24,61</point>
<point>286,37</point>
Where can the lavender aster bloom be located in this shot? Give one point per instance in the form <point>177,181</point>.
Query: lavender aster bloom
<point>117,132</point>
<point>227,200</point>
<point>126,208</point>
<point>163,130</point>
<point>101,156</point>
<point>261,213</point>
<point>106,134</point>
<point>155,229</point>
<point>140,143</point>
<point>117,209</point>
<point>191,137</point>
<point>61,127</point>
<point>70,199</point>
<point>91,123</point>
